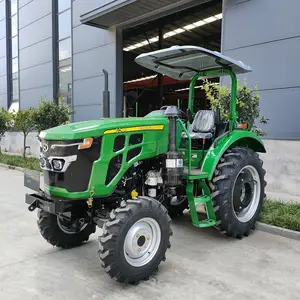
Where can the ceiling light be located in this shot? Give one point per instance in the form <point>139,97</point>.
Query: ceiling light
<point>210,19</point>
<point>153,40</point>
<point>179,30</point>
<point>175,31</point>
<point>186,89</point>
<point>140,79</point>
<point>199,23</point>
<point>189,27</point>
<point>129,48</point>
<point>196,87</point>
<point>170,33</point>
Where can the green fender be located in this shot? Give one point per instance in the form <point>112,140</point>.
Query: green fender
<point>236,138</point>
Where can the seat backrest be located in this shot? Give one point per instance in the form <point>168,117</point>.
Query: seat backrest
<point>204,121</point>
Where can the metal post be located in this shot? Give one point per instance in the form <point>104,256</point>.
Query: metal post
<point>105,96</point>
<point>136,109</point>
<point>160,76</point>
<point>232,113</point>
<point>192,92</point>
<point>124,106</point>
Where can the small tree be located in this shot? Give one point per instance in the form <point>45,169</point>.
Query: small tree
<point>48,114</point>
<point>24,122</point>
<point>247,103</point>
<point>5,123</point>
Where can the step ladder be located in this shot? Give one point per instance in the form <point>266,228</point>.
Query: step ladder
<point>192,177</point>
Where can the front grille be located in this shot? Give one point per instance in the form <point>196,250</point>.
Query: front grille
<point>59,148</point>
<point>77,176</point>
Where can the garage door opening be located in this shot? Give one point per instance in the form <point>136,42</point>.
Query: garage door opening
<point>145,90</point>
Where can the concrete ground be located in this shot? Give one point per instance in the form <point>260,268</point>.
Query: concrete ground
<point>200,265</point>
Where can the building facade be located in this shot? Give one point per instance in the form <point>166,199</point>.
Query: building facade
<point>45,51</point>
<point>52,48</point>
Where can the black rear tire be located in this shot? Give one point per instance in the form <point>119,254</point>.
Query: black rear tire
<point>53,234</point>
<point>224,187</point>
<point>112,250</point>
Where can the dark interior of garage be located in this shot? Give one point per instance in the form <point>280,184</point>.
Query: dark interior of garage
<point>145,90</point>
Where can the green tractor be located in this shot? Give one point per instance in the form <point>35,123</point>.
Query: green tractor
<point>129,175</point>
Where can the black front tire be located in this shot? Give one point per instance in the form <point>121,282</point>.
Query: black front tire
<point>53,234</point>
<point>112,242</point>
<point>223,184</point>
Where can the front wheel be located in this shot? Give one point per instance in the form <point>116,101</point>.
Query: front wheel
<point>238,191</point>
<point>62,233</point>
<point>135,239</point>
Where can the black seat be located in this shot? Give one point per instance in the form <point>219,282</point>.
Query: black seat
<point>203,126</point>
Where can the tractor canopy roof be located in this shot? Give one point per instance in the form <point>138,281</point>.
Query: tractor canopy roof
<point>183,62</point>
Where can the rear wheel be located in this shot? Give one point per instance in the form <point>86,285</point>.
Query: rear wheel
<point>63,233</point>
<point>238,191</point>
<point>135,239</point>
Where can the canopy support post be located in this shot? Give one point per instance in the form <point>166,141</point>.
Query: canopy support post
<point>160,76</point>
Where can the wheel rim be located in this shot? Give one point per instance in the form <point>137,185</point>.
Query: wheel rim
<point>142,242</point>
<point>246,194</point>
<point>71,227</point>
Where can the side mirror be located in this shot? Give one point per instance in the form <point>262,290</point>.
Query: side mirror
<point>189,115</point>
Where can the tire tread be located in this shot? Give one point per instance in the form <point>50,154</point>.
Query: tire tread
<point>227,224</point>
<point>113,227</point>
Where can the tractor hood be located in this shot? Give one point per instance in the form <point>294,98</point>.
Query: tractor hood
<point>94,128</point>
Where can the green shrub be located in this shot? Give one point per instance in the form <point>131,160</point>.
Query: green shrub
<point>48,115</point>
<point>31,163</point>
<point>24,122</point>
<point>247,103</point>
<point>5,122</point>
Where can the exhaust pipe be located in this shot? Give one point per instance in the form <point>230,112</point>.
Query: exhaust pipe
<point>105,103</point>
<point>173,163</point>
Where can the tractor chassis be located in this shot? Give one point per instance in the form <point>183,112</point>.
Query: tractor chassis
<point>38,200</point>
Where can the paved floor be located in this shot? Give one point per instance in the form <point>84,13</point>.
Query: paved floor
<point>200,264</point>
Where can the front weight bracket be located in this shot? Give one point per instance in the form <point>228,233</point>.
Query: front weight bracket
<point>32,206</point>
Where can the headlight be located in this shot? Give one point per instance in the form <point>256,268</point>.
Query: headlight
<point>57,164</point>
<point>87,143</point>
<point>42,162</point>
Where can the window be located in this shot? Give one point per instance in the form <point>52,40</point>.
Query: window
<point>13,7</point>
<point>15,89</point>
<point>14,47</point>
<point>15,67</point>
<point>13,55</point>
<point>14,25</point>
<point>65,79</point>
<point>64,28</point>
<point>63,5</point>
<point>64,49</point>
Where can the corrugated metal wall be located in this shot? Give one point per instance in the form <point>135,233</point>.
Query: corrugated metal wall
<point>266,35</point>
